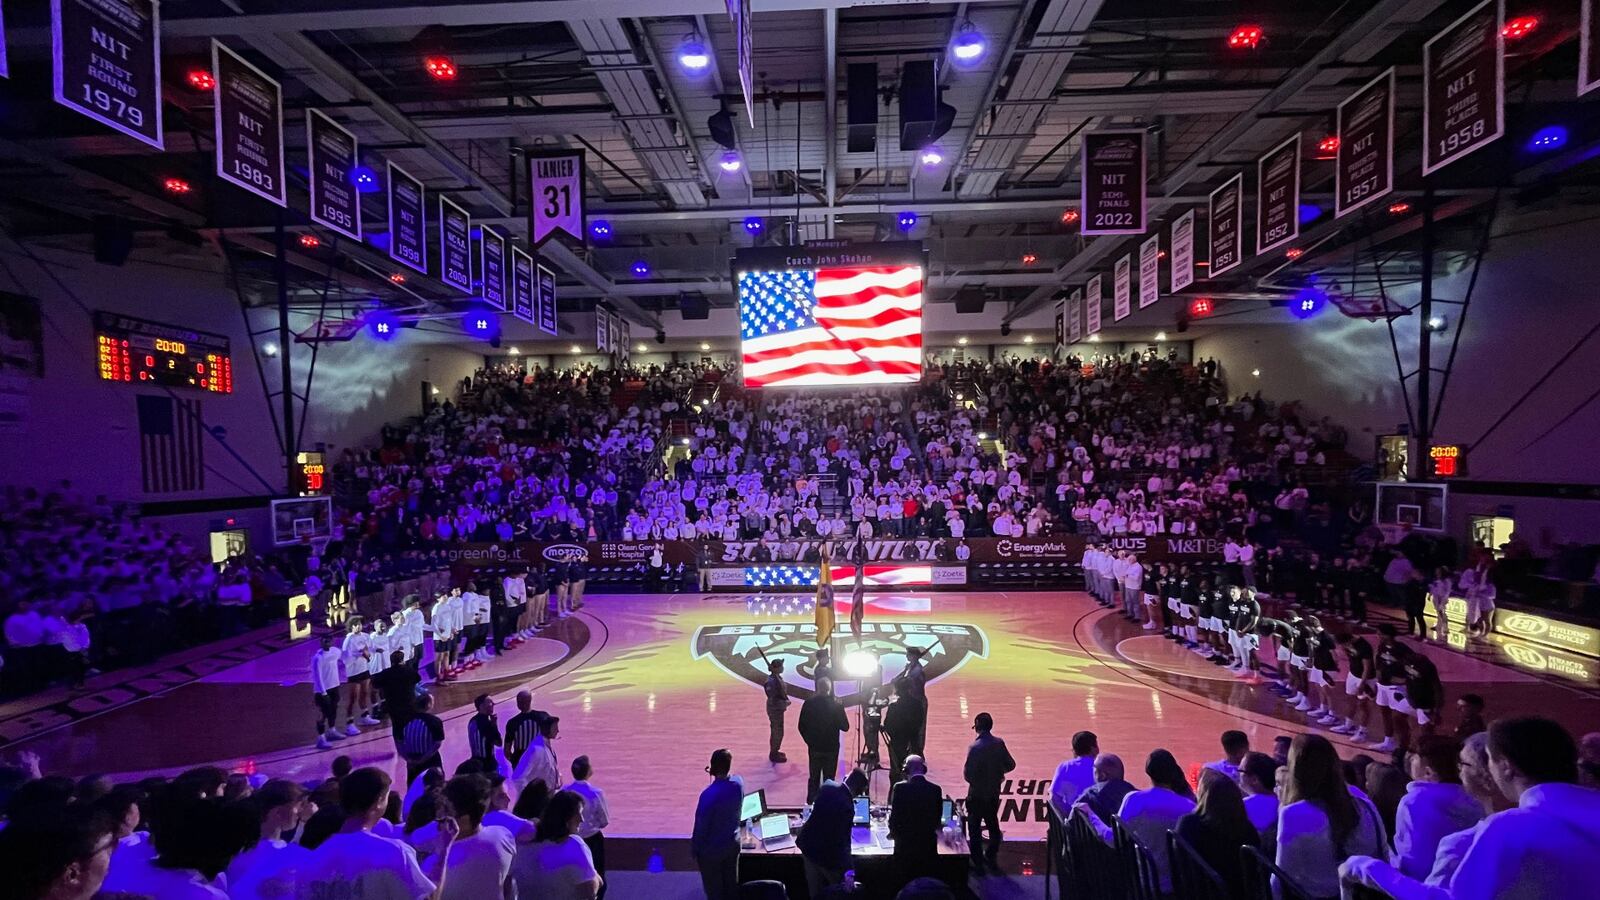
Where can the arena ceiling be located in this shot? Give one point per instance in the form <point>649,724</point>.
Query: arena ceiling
<point>599,75</point>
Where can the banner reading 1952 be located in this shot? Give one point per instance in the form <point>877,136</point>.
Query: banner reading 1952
<point>1278,195</point>
<point>332,154</point>
<point>1463,86</point>
<point>1364,168</point>
<point>455,246</point>
<point>408,243</point>
<point>492,268</point>
<point>1113,182</point>
<point>106,57</point>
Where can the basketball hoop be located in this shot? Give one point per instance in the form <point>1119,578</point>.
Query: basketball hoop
<point>329,331</point>
<point>1370,308</point>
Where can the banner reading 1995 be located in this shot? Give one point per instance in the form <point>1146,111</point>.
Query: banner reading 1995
<point>1364,167</point>
<point>455,246</point>
<point>408,243</point>
<point>332,157</point>
<point>1113,182</point>
<point>1463,86</point>
<point>492,268</point>
<point>106,57</point>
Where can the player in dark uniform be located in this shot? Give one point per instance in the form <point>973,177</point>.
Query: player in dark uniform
<point>1358,682</point>
<point>1189,590</point>
<point>1279,631</point>
<point>1244,612</point>
<point>1389,686</point>
<point>777,701</point>
<point>1171,596</point>
<point>1300,662</point>
<point>1424,691</point>
<point>1324,673</point>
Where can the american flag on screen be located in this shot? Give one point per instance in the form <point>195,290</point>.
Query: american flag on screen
<point>843,576</point>
<point>827,326</point>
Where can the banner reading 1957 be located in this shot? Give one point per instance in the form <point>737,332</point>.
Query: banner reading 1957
<point>408,243</point>
<point>455,246</point>
<point>332,157</point>
<point>106,57</point>
<point>1278,195</point>
<point>1113,182</point>
<point>1227,226</point>
<point>1463,86</point>
<point>1364,168</point>
<point>492,268</point>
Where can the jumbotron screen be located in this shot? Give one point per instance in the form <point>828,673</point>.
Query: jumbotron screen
<point>831,315</point>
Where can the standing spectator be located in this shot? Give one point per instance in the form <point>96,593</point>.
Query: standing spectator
<point>914,821</point>
<point>1149,814</point>
<point>822,718</point>
<point>596,815</point>
<point>824,839</point>
<point>1435,805</point>
<point>557,865</point>
<point>715,841</point>
<point>1076,775</point>
<point>988,762</point>
<point>539,761</point>
<point>1320,822</point>
<point>1218,827</point>
<point>272,867</point>
<point>480,858</point>
<point>357,863</point>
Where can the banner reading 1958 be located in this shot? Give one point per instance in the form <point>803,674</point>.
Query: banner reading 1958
<point>455,246</point>
<point>332,157</point>
<point>1227,226</point>
<point>106,63</point>
<point>1364,169</point>
<point>249,120</point>
<point>1463,86</point>
<point>1278,195</point>
<point>408,243</point>
<point>1113,182</point>
<point>492,268</point>
<point>522,301</point>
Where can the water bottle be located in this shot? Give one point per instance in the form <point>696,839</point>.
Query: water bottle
<point>656,865</point>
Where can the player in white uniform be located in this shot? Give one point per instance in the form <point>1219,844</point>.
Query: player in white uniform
<point>397,636</point>
<point>357,650</point>
<point>516,587</point>
<point>415,625</point>
<point>444,637</point>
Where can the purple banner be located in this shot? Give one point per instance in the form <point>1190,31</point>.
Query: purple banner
<point>522,285</point>
<point>455,246</point>
<point>106,63</point>
<point>1278,196</point>
<point>492,268</point>
<point>1113,182</point>
<point>545,289</point>
<point>1364,169</point>
<point>408,243</point>
<point>1463,87</point>
<point>1226,239</point>
<point>332,154</point>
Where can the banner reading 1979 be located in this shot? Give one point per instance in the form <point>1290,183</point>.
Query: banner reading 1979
<point>1113,182</point>
<point>106,63</point>
<point>1278,195</point>
<point>1364,168</point>
<point>332,157</point>
<point>492,268</point>
<point>455,246</point>
<point>408,243</point>
<point>1463,86</point>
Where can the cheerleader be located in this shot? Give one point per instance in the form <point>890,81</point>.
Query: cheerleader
<point>1439,596</point>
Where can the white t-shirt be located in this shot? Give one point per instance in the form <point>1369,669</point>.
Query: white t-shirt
<point>478,865</point>
<point>553,869</point>
<point>362,865</point>
<point>148,880</point>
<point>268,871</point>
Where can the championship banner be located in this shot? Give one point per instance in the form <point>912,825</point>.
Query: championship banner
<point>1122,288</point>
<point>602,329</point>
<point>627,340</point>
<point>1061,325</point>
<point>332,154</point>
<point>1150,271</point>
<point>408,243</point>
<point>1227,226</point>
<point>1113,185</point>
<point>5,66</point>
<point>1075,316</point>
<point>739,16</point>
<point>249,121</point>
<point>106,63</point>
<point>1094,295</point>
<point>522,298</point>
<point>1278,195</point>
<point>555,195</point>
<point>545,295</point>
<point>492,268</point>
<point>1364,167</point>
<point>1182,269</point>
<point>1588,51</point>
<point>614,333</point>
<point>455,246</point>
<point>1464,86</point>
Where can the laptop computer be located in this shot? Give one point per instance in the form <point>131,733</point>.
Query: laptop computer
<point>774,832</point>
<point>754,805</point>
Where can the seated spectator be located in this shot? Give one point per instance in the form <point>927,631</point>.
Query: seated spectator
<point>356,862</point>
<point>1258,777</point>
<point>1435,805</point>
<point>270,868</point>
<point>1471,722</point>
<point>1076,775</point>
<point>1150,813</point>
<point>1385,788</point>
<point>557,865</point>
<point>1218,827</point>
<point>1110,786</point>
<point>194,843</point>
<point>1235,744</point>
<point>1320,822</point>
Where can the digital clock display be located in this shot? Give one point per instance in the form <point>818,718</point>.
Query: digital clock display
<point>137,351</point>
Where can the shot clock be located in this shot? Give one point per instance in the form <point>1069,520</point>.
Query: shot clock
<point>137,351</point>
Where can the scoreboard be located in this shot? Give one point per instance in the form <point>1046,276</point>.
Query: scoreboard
<point>309,477</point>
<point>133,351</point>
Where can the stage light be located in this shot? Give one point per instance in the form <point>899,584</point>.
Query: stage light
<point>397,278</point>
<point>201,79</point>
<point>177,186</point>
<point>1328,147</point>
<point>969,45</point>
<point>1255,373</point>
<point>480,326</point>
<point>860,664</point>
<point>753,224</point>
<point>1161,254</point>
<point>931,156</point>
<point>684,442</point>
<point>641,269</point>
<point>1550,137</point>
<point>1027,339</point>
<point>310,241</point>
<point>1200,307</point>
<point>514,351</point>
<point>574,349</point>
<point>641,348</point>
<point>1437,323</point>
<point>383,325</point>
<point>1029,259</point>
<point>600,230</point>
<point>1094,338</point>
<point>704,346</point>
<point>983,435</point>
<point>1307,302</point>
<point>692,53</point>
<point>1309,212</point>
<point>1399,208</point>
<point>1161,336</point>
<point>1294,253</point>
<point>907,221</point>
<point>730,161</point>
<point>441,67</point>
<point>1245,37</point>
<point>365,179</point>
<point>1069,217</point>
<point>269,349</point>
<point>1520,27</point>
<point>963,342</point>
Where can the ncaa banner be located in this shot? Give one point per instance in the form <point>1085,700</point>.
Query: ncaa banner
<point>1061,325</point>
<point>1122,288</point>
<point>1182,269</point>
<point>1113,185</point>
<point>1363,169</point>
<point>1150,271</point>
<point>1094,295</point>
<point>455,246</point>
<point>555,195</point>
<point>1075,316</point>
<point>1464,86</point>
<point>1278,195</point>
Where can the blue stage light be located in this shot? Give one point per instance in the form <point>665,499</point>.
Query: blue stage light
<point>641,269</point>
<point>1307,302</point>
<point>907,221</point>
<point>1309,212</point>
<point>754,225</point>
<point>1550,137</point>
<point>479,325</point>
<point>600,230</point>
<point>382,325</point>
<point>365,179</point>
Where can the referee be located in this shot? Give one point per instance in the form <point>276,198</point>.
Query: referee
<point>523,727</point>
<point>421,739</point>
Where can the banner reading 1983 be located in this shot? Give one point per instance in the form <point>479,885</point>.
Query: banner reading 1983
<point>1278,195</point>
<point>1113,182</point>
<point>492,268</point>
<point>332,156</point>
<point>1227,226</point>
<point>408,243</point>
<point>1364,168</point>
<point>455,246</point>
<point>249,121</point>
<point>1463,86</point>
<point>106,57</point>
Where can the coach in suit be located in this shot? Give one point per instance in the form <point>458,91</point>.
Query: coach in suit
<point>915,822</point>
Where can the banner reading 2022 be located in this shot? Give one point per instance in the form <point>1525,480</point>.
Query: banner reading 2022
<point>1113,182</point>
<point>106,63</point>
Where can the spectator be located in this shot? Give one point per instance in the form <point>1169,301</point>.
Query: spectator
<point>1320,823</point>
<point>1589,760</point>
<point>1105,796</point>
<point>1471,708</point>
<point>1150,813</point>
<point>1385,787</point>
<point>1218,827</point>
<point>479,859</point>
<point>1076,775</point>
<point>358,863</point>
<point>1258,777</point>
<point>62,857</point>
<point>196,840</point>
<point>988,762</point>
<point>539,760</point>
<point>1436,805</point>
<point>596,815</point>
<point>915,806</point>
<point>1235,744</point>
<point>272,866</point>
<point>532,800</point>
<point>715,842</point>
<point>557,865</point>
<point>824,839</point>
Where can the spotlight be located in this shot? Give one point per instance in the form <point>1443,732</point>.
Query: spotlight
<point>397,278</point>
<point>1029,259</point>
<point>1094,338</point>
<point>1161,254</point>
<point>441,67</point>
<point>600,230</point>
<point>269,349</point>
<point>201,79</point>
<point>1437,323</point>
<point>730,161</point>
<point>860,664</point>
<point>969,45</point>
<point>641,269</point>
<point>1309,212</point>
<point>962,341</point>
<point>574,349</point>
<point>1200,307</point>
<point>753,225</point>
<point>907,221</point>
<point>310,241</point>
<point>1399,209</point>
<point>1294,253</point>
<point>1027,339</point>
<point>1307,302</point>
<point>704,346</point>
<point>1520,27</point>
<point>514,351</point>
<point>365,179</point>
<point>1255,373</point>
<point>177,186</point>
<point>692,53</point>
<point>1550,137</point>
<point>640,348</point>
<point>931,156</point>
<point>480,326</point>
<point>1245,37</point>
<point>1328,147</point>
<point>383,325</point>
<point>1069,217</point>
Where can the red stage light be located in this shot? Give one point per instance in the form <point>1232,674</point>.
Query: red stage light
<point>1520,27</point>
<point>177,186</point>
<point>1161,254</point>
<point>1328,146</point>
<point>1069,217</point>
<point>1200,307</point>
<point>1294,253</point>
<point>397,278</point>
<point>442,68</point>
<point>1245,37</point>
<point>1029,259</point>
<point>201,80</point>
<point>310,240</point>
<point>1399,209</point>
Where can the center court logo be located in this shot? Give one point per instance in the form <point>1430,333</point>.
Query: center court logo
<point>742,650</point>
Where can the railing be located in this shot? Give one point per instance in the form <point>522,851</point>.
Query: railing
<point>1266,880</point>
<point>1192,877</point>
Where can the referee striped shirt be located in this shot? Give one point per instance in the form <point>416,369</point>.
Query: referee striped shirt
<point>483,735</point>
<point>422,737</point>
<point>520,732</point>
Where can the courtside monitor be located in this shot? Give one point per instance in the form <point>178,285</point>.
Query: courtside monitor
<point>846,315</point>
<point>755,804</point>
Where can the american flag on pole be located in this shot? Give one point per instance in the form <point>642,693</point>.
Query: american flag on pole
<point>832,325</point>
<point>171,444</point>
